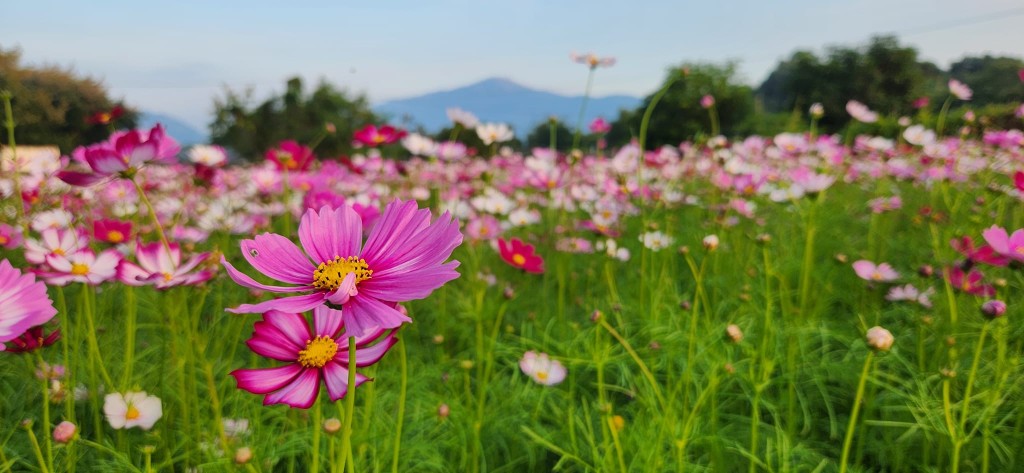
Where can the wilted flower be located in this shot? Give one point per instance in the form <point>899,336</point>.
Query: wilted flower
<point>332,425</point>
<point>243,455</point>
<point>542,369</point>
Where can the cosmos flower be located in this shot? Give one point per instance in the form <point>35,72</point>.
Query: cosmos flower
<point>592,61</point>
<point>289,155</point>
<point>960,90</point>
<point>132,409</point>
<point>10,237</point>
<point>599,126</point>
<point>982,254</point>
<point>542,369</point>
<point>1010,246</point>
<point>491,133</point>
<point>969,282</point>
<point>419,145</point>
<point>54,242</point>
<point>106,117</point>
<point>520,255</point>
<point>208,155</point>
<point>33,339</point>
<point>23,303</point>
<point>879,339</point>
<point>83,266</point>
<point>869,271</point>
<point>121,157</point>
<point>707,101</point>
<point>461,117</point>
<point>371,135</point>
<point>861,112</point>
<point>112,231</point>
<point>312,356</point>
<point>161,267</point>
<point>403,259</point>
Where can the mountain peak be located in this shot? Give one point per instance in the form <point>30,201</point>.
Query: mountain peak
<point>498,99</point>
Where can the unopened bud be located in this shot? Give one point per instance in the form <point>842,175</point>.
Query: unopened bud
<point>618,423</point>
<point>64,432</point>
<point>734,333</point>
<point>443,411</point>
<point>243,455</point>
<point>711,242</point>
<point>596,315</point>
<point>332,425</point>
<point>879,339</point>
<point>993,309</point>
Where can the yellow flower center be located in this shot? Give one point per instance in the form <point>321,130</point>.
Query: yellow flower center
<point>318,352</point>
<point>542,375</point>
<point>133,413</point>
<point>1019,250</point>
<point>59,252</point>
<point>877,276</point>
<point>79,269</point>
<point>518,259</point>
<point>115,236</point>
<point>168,276</point>
<point>4,239</point>
<point>329,274</point>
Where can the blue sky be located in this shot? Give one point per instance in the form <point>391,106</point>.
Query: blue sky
<point>174,58</point>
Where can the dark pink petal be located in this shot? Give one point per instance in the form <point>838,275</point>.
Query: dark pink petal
<point>366,356</point>
<point>326,321</point>
<point>427,248</point>
<point>81,179</point>
<point>265,380</point>
<point>297,304</point>
<point>279,258</point>
<point>331,233</point>
<point>142,154</point>
<point>291,325</point>
<point>105,163</point>
<point>244,280</point>
<point>336,379</point>
<point>301,393</point>
<point>363,314</point>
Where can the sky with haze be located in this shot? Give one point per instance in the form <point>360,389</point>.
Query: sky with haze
<point>174,57</point>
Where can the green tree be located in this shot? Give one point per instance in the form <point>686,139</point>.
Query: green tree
<point>994,80</point>
<point>540,136</point>
<point>52,105</point>
<point>679,115</point>
<point>250,129</point>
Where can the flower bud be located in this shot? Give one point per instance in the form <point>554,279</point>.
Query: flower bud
<point>734,333</point>
<point>618,423</point>
<point>879,339</point>
<point>711,242</point>
<point>926,271</point>
<point>993,309</point>
<point>64,432</point>
<point>332,425</point>
<point>243,455</point>
<point>443,411</point>
<point>596,315</point>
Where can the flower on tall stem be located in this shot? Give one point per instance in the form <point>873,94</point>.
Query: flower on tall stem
<point>373,136</point>
<point>960,90</point>
<point>403,259</point>
<point>592,61</point>
<point>289,155</point>
<point>520,255</point>
<point>542,369</point>
<point>23,303</point>
<point>132,409</point>
<point>83,266</point>
<point>312,356</point>
<point>121,157</point>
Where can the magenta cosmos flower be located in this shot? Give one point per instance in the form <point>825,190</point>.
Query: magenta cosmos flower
<point>312,355</point>
<point>122,157</point>
<point>1004,244</point>
<point>403,259</point>
<point>23,303</point>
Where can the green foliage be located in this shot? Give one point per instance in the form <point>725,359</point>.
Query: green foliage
<point>51,105</point>
<point>994,80</point>
<point>540,137</point>
<point>250,129</point>
<point>679,116</point>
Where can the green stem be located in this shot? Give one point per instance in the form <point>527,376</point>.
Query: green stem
<point>848,441</point>
<point>402,390</point>
<point>9,124</point>
<point>317,416</point>
<point>35,448</point>
<point>350,405</point>
<point>639,361</point>
<point>48,439</point>
<point>152,215</point>
<point>583,108</point>
<point>941,124</point>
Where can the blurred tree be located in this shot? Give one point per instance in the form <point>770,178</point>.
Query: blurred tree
<point>250,129</point>
<point>994,80</point>
<point>52,106</point>
<point>679,116</point>
<point>540,137</point>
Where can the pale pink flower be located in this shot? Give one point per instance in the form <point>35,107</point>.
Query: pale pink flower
<point>871,272</point>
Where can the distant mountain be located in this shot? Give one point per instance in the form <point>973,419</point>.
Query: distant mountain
<point>182,132</point>
<point>501,100</point>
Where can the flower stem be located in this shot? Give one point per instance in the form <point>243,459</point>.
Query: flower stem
<point>46,413</point>
<point>350,405</point>
<point>9,124</point>
<point>317,416</point>
<point>35,447</point>
<point>399,421</point>
<point>850,428</point>
<point>583,109</point>
<point>152,215</point>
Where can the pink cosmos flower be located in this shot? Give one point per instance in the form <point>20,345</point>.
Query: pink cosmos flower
<point>483,227</point>
<point>707,101</point>
<point>55,242</point>
<point>861,112</point>
<point>520,255</point>
<point>23,303</point>
<point>871,272</point>
<point>921,102</point>
<point>1010,246</point>
<point>122,157</point>
<point>960,90</point>
<point>112,231</point>
<point>591,60</point>
<point>10,237</point>
<point>542,369</point>
<point>599,126</point>
<point>403,259</point>
<point>290,156</point>
<point>161,267</point>
<point>372,136</point>
<point>83,266</point>
<point>910,293</point>
<point>982,254</point>
<point>969,282</point>
<point>312,355</point>
<point>1018,180</point>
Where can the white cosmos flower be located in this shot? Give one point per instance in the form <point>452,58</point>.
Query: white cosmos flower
<point>132,409</point>
<point>491,133</point>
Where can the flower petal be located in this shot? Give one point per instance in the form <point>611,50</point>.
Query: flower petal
<point>279,258</point>
<point>297,304</point>
<point>331,233</point>
<point>265,380</point>
<point>363,314</point>
<point>336,379</point>
<point>300,393</point>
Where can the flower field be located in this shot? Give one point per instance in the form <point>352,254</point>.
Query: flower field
<point>783,303</point>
